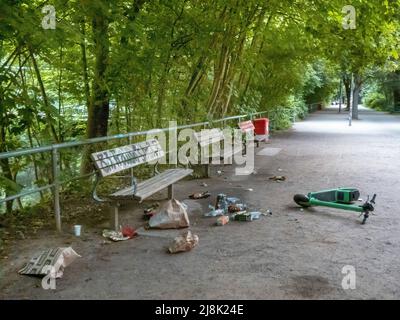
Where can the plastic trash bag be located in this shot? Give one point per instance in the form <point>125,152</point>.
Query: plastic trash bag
<point>172,215</point>
<point>185,242</point>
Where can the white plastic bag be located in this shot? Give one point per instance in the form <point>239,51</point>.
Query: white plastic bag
<point>172,215</point>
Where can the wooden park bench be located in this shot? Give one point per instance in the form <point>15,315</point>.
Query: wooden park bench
<point>109,162</point>
<point>208,137</point>
<point>247,127</point>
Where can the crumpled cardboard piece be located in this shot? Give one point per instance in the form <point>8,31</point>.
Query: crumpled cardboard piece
<point>52,260</point>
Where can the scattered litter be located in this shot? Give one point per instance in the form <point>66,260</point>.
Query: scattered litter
<point>150,211</point>
<point>126,233</point>
<point>52,260</point>
<point>268,212</point>
<point>232,200</point>
<point>152,207</point>
<point>278,178</point>
<point>243,216</point>
<point>237,207</point>
<point>280,170</point>
<point>221,202</point>
<point>200,195</point>
<point>185,242</point>
<point>147,215</point>
<point>77,230</point>
<point>249,189</point>
<point>172,215</point>
<point>219,172</point>
<point>204,184</point>
<point>301,209</point>
<point>221,221</point>
<point>255,215</point>
<point>214,212</point>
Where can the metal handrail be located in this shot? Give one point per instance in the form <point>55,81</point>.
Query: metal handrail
<point>54,149</point>
<point>30,151</point>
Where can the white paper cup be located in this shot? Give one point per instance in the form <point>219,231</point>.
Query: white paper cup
<point>77,230</point>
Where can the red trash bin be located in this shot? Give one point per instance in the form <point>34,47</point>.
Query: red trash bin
<point>261,129</point>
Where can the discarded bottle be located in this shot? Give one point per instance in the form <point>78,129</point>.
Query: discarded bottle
<point>232,200</point>
<point>243,216</point>
<point>221,202</point>
<point>214,212</point>
<point>255,215</point>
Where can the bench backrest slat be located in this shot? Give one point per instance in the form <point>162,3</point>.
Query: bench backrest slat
<point>118,159</point>
<point>208,136</point>
<point>246,126</point>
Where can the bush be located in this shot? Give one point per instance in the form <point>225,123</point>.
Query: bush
<point>377,101</point>
<point>282,117</point>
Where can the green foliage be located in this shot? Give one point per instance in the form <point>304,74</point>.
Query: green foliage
<point>376,100</point>
<point>135,65</point>
<point>9,185</point>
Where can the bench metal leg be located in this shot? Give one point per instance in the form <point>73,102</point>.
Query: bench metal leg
<point>208,170</point>
<point>170,191</point>
<point>114,216</point>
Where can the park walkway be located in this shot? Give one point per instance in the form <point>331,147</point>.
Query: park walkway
<point>289,254</point>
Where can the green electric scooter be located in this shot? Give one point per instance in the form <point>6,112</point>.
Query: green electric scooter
<point>341,198</point>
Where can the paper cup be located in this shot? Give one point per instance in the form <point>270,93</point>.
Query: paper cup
<point>77,230</point>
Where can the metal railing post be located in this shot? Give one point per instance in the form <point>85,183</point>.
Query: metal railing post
<point>131,169</point>
<point>56,188</point>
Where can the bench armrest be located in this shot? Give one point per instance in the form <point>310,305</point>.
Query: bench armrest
<point>94,190</point>
<point>155,169</point>
<point>96,197</point>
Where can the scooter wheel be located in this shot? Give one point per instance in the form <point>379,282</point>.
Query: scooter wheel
<point>302,200</point>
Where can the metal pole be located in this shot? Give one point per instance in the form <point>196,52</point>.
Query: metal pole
<point>351,100</point>
<point>340,96</point>
<point>56,189</point>
<point>131,170</point>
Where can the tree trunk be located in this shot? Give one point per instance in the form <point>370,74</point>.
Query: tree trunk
<point>219,73</point>
<point>5,164</point>
<point>47,105</point>
<point>347,87</point>
<point>99,106</point>
<point>396,93</point>
<point>85,65</point>
<point>356,94</point>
